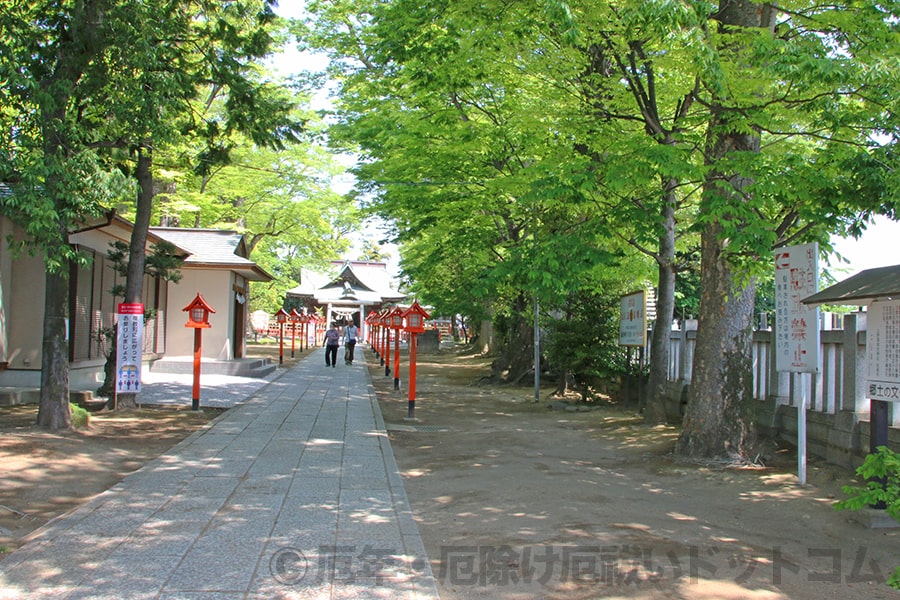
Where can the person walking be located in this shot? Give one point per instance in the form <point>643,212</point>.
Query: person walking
<point>350,335</point>
<point>332,341</point>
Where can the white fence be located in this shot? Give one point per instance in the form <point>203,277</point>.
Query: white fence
<point>838,408</point>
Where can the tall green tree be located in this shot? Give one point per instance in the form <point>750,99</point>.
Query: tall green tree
<point>209,59</point>
<point>121,77</point>
<point>48,56</point>
<point>795,94</point>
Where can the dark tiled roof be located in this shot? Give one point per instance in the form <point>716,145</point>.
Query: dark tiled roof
<point>212,248</point>
<point>862,288</point>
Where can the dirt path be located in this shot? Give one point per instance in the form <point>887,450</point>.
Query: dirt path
<point>44,474</point>
<point>515,500</point>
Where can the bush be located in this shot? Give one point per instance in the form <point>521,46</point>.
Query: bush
<point>80,417</point>
<point>881,471</point>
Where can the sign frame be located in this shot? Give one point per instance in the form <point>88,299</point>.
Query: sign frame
<point>883,350</point>
<point>633,319</point>
<point>796,325</point>
<point>129,348</point>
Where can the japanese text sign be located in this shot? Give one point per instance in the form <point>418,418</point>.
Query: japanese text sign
<point>796,324</point>
<point>129,348</point>
<point>633,320</point>
<point>883,351</point>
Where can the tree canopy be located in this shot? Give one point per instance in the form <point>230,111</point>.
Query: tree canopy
<point>520,146</point>
<point>93,90</point>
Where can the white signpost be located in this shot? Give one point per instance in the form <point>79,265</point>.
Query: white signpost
<point>883,351</point>
<point>129,348</point>
<point>797,328</point>
<point>883,366</point>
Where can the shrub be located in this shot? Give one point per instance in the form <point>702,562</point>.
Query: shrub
<point>80,417</point>
<point>881,470</point>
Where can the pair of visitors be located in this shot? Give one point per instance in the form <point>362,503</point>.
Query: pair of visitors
<point>333,341</point>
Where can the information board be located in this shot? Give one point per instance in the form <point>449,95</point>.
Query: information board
<point>129,348</point>
<point>633,320</point>
<point>796,324</point>
<point>883,351</point>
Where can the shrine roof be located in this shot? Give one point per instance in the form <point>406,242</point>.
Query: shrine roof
<point>863,288</point>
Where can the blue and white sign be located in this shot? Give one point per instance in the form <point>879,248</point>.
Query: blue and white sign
<point>129,348</point>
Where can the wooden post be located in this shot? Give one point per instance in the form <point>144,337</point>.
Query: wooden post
<point>412,376</point>
<point>293,337</point>
<point>387,351</point>
<point>195,390</point>
<point>397,359</point>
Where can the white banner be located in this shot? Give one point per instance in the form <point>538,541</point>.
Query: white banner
<point>129,351</point>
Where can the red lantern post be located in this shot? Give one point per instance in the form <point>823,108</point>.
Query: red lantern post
<point>396,317</point>
<point>415,317</point>
<point>370,319</point>
<point>375,333</point>
<point>317,329</point>
<point>304,331</point>
<point>281,317</point>
<point>386,323</point>
<point>294,318</point>
<point>379,320</point>
<point>198,319</point>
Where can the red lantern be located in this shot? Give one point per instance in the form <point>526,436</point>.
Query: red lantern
<point>198,313</point>
<point>415,317</point>
<point>396,317</point>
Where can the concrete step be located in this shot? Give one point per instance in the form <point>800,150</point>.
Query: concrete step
<point>241,367</point>
<point>16,396</point>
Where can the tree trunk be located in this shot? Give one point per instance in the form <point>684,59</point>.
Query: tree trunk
<point>657,385</point>
<point>53,411</point>
<point>517,359</point>
<point>134,278</point>
<point>719,418</point>
<point>108,388</point>
<point>718,421</point>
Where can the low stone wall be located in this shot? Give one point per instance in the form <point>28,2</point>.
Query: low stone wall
<point>428,342</point>
<point>841,439</point>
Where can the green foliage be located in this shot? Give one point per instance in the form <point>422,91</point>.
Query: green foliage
<point>584,341</point>
<point>81,418</point>
<point>881,470</point>
<point>163,262</point>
